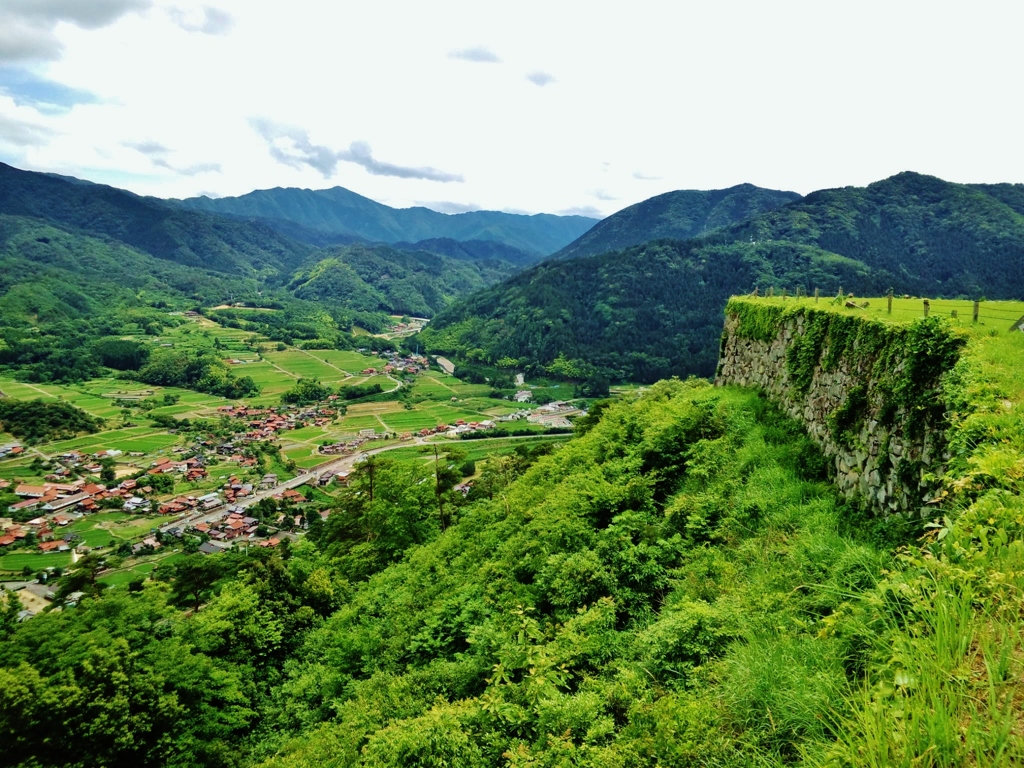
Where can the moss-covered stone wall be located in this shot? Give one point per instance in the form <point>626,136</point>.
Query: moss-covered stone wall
<point>868,392</point>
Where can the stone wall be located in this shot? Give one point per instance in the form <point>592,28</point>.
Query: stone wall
<point>882,460</point>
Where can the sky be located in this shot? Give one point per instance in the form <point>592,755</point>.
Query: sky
<point>557,107</point>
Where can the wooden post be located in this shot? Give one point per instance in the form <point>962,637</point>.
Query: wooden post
<point>890,301</point>
<point>771,291</point>
<point>977,306</point>
<point>815,295</point>
<point>755,291</point>
<point>783,294</point>
<point>927,307</point>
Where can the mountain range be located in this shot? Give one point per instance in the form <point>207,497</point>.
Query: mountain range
<point>654,310</point>
<point>637,297</point>
<point>679,215</point>
<point>338,212</point>
<point>72,248</point>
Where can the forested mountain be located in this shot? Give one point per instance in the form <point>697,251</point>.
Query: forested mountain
<point>338,211</point>
<point>655,310</point>
<point>382,278</point>
<point>679,215</point>
<point>81,261</point>
<point>158,228</point>
<point>472,250</point>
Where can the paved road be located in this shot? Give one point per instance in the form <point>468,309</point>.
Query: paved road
<point>343,462</point>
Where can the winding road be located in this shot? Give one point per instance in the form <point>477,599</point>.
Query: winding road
<point>344,462</point>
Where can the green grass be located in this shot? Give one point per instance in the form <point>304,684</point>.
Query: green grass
<point>16,561</point>
<point>306,366</point>
<point>127,439</point>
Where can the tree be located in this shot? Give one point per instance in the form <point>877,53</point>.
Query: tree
<point>446,475</point>
<point>194,575</point>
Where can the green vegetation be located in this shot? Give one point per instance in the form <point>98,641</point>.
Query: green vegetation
<point>383,279</point>
<point>678,586</point>
<point>679,215</point>
<point>198,370</point>
<point>654,310</point>
<point>37,420</point>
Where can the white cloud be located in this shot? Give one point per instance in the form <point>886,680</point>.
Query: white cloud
<point>291,146</point>
<point>479,54</point>
<point>208,20</point>
<point>28,28</point>
<point>795,96</point>
<point>540,78</point>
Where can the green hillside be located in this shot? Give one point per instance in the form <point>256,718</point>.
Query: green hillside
<point>338,211</point>
<point>472,250</point>
<point>653,310</point>
<point>381,278</point>
<point>678,585</point>
<point>151,226</point>
<point>679,215</point>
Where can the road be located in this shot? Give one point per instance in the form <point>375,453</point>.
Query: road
<point>344,462</point>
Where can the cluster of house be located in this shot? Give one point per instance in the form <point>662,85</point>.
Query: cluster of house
<point>11,450</point>
<point>193,469</point>
<point>334,476</point>
<point>553,415</point>
<point>398,363</point>
<point>348,446</point>
<point>265,423</point>
<point>185,504</point>
<point>42,528</point>
<point>76,462</point>
<point>460,427</point>
<point>229,527</point>
<point>415,325</point>
<point>79,496</point>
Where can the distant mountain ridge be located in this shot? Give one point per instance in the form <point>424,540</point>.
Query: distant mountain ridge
<point>679,215</point>
<point>339,211</point>
<point>654,310</point>
<point>73,249</point>
<point>147,224</point>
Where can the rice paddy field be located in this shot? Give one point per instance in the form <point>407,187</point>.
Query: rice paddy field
<point>435,398</point>
<point>37,561</point>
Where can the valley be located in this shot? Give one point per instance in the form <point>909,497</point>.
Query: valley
<point>428,500</point>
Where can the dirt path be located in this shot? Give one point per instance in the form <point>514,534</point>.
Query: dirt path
<point>325,362</point>
<point>282,370</point>
<point>44,393</point>
<point>441,384</point>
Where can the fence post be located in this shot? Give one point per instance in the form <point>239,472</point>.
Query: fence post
<point>977,306</point>
<point>890,301</point>
<point>771,291</point>
<point>755,291</point>
<point>927,307</point>
<point>783,294</point>
<point>815,295</point>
